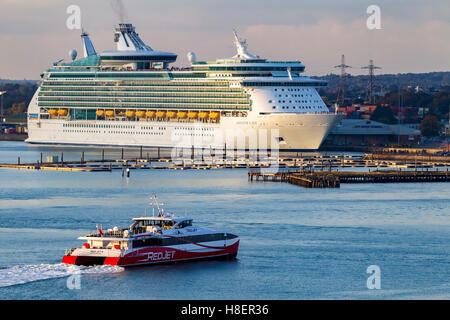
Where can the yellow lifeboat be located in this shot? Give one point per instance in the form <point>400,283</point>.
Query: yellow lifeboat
<point>214,115</point>
<point>140,114</point>
<point>203,115</point>
<point>192,114</point>
<point>171,114</point>
<point>150,114</point>
<point>130,113</point>
<point>182,114</point>
<point>62,112</point>
<point>160,114</point>
<point>53,112</point>
<point>110,113</point>
<point>100,113</point>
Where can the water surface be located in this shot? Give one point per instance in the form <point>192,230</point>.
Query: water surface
<point>296,243</point>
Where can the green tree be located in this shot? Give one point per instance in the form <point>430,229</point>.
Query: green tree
<point>430,126</point>
<point>384,115</point>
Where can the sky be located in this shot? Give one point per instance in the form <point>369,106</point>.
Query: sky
<point>414,35</point>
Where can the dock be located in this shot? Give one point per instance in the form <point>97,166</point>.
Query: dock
<point>202,159</point>
<point>333,179</point>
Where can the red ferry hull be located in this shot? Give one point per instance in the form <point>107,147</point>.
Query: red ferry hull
<point>154,256</point>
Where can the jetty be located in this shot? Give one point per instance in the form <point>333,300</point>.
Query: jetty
<point>206,159</point>
<point>333,179</point>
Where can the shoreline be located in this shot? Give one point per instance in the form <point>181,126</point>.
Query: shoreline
<point>13,136</point>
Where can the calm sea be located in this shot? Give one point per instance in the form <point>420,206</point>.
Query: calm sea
<point>295,243</point>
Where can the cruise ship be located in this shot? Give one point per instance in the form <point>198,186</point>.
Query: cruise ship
<point>132,96</point>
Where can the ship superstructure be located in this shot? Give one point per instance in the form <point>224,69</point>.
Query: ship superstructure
<point>131,96</point>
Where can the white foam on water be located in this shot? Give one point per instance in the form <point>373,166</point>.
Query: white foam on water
<point>28,273</point>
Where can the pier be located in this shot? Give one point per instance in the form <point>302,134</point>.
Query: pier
<point>333,179</point>
<point>206,159</point>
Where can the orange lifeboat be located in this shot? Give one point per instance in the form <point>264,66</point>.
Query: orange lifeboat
<point>171,114</point>
<point>140,114</point>
<point>130,113</point>
<point>203,115</point>
<point>214,115</point>
<point>182,114</point>
<point>192,114</point>
<point>160,114</point>
<point>53,112</point>
<point>62,112</point>
<point>150,114</point>
<point>100,113</point>
<point>110,113</point>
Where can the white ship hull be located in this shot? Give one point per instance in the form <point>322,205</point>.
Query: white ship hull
<point>302,132</point>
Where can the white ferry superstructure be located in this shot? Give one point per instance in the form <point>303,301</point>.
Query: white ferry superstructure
<point>132,97</point>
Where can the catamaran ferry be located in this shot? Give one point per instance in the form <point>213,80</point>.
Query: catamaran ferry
<point>131,96</point>
<point>160,238</point>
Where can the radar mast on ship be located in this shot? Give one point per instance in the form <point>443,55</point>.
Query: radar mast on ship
<point>241,47</point>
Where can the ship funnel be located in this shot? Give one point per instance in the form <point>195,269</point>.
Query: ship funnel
<point>88,47</point>
<point>128,40</point>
